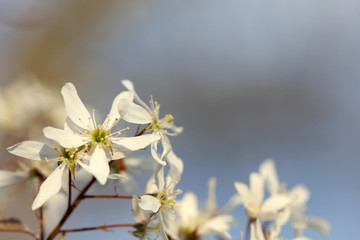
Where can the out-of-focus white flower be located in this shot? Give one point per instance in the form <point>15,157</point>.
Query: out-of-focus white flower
<point>99,141</point>
<point>8,178</point>
<point>195,223</point>
<point>257,233</point>
<point>253,197</point>
<point>26,99</point>
<point>299,195</point>
<point>143,114</point>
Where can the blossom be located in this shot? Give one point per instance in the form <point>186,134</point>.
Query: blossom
<point>257,233</point>
<point>253,197</point>
<point>298,195</point>
<point>98,140</point>
<point>144,114</point>
<point>67,158</point>
<point>159,200</point>
<point>200,223</point>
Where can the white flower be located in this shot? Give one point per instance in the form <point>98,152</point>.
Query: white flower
<point>97,139</point>
<point>200,223</point>
<point>68,158</point>
<point>8,178</point>
<point>253,197</point>
<point>299,195</point>
<point>143,114</point>
<point>257,233</point>
<point>159,200</point>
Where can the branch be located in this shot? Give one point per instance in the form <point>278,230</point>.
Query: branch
<point>107,196</point>
<point>102,227</point>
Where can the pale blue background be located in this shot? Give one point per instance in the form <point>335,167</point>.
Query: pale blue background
<point>248,80</point>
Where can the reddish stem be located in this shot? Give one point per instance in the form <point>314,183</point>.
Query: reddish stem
<point>107,196</point>
<point>102,227</point>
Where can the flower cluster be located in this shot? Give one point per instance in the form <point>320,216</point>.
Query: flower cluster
<point>102,150</point>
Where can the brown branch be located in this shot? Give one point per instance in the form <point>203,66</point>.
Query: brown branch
<point>107,196</point>
<point>20,231</point>
<point>102,227</point>
<point>68,212</point>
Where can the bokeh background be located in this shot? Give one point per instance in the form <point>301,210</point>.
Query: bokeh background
<point>248,80</point>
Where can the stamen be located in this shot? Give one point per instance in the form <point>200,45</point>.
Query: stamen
<point>115,134</point>
<point>94,119</point>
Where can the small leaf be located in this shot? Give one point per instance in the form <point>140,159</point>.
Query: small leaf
<point>11,223</point>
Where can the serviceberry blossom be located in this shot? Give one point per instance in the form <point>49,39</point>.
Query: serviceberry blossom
<point>141,113</point>
<point>298,195</point>
<point>159,201</point>
<point>257,233</point>
<point>253,199</point>
<point>195,223</point>
<point>98,140</point>
<point>66,158</point>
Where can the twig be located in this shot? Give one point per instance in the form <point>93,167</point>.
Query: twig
<point>107,196</point>
<point>102,227</point>
<point>20,231</point>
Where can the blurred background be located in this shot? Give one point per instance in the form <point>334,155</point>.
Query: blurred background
<point>248,80</point>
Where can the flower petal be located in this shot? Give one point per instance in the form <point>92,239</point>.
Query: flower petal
<point>130,86</point>
<point>166,145</point>
<point>139,214</point>
<point>114,112</point>
<point>50,187</point>
<point>256,188</point>
<point>268,171</point>
<point>8,178</point>
<point>74,107</point>
<point>99,166</point>
<point>243,191</point>
<point>136,143</point>
<point>176,166</point>
<point>155,155</point>
<point>256,231</point>
<point>162,227</point>
<point>211,205</point>
<point>64,138</point>
<point>133,113</point>
<point>318,224</point>
<point>299,196</point>
<point>117,176</point>
<point>187,209</point>
<point>273,205</point>
<point>218,225</point>
<point>149,203</point>
<point>33,150</point>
